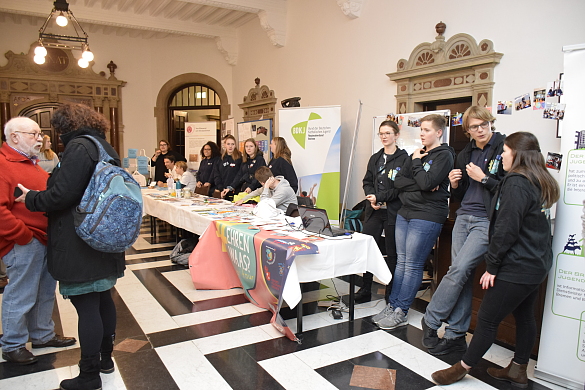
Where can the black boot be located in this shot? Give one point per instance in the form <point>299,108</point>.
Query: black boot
<point>106,362</point>
<point>89,375</point>
<point>363,295</point>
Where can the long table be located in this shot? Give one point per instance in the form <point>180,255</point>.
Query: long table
<point>335,257</point>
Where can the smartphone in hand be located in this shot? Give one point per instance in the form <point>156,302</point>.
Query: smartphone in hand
<point>17,192</point>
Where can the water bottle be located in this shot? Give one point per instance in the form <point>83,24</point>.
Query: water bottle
<point>178,188</point>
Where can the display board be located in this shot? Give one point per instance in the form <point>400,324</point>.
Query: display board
<point>313,135</point>
<point>197,134</point>
<point>261,131</point>
<point>561,355</point>
<point>409,125</point>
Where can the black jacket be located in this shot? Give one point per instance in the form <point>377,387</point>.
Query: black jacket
<point>225,171</point>
<point>418,178</point>
<point>494,169</point>
<point>520,237</point>
<point>69,258</point>
<point>394,164</point>
<point>280,167</point>
<point>206,170</point>
<point>246,177</point>
<point>159,165</point>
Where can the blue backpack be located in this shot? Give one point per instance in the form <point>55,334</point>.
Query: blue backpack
<point>109,215</point>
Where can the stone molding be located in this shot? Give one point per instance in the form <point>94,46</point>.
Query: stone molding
<point>260,102</point>
<point>351,8</point>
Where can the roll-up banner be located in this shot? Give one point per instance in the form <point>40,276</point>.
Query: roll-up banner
<point>198,134</point>
<point>313,135</point>
<point>561,355</point>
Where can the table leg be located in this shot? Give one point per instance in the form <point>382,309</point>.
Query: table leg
<point>351,297</point>
<point>300,314</point>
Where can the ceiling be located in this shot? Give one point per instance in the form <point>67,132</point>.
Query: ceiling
<point>212,19</point>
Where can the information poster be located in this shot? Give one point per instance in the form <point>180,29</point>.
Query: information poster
<point>197,134</point>
<point>260,131</point>
<point>561,355</point>
<point>409,125</point>
<point>313,135</point>
<point>227,127</point>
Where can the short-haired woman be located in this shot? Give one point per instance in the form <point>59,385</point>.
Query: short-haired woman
<point>48,159</point>
<point>424,185</point>
<point>185,177</point>
<point>85,275</point>
<point>517,261</point>
<point>281,162</point>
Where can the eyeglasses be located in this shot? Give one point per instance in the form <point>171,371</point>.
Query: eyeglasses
<point>484,125</point>
<point>36,134</point>
<point>385,134</point>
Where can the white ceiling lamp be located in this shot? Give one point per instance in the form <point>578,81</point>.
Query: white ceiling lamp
<point>79,42</point>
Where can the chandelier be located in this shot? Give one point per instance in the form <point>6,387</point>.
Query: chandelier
<point>63,16</point>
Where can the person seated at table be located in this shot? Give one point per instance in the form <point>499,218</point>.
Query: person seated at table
<point>171,171</point>
<point>252,159</point>
<point>276,188</point>
<point>210,157</point>
<point>281,162</point>
<point>157,160</point>
<point>185,177</point>
<point>228,167</point>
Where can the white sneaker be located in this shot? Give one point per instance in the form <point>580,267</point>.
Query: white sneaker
<point>384,313</point>
<point>394,320</point>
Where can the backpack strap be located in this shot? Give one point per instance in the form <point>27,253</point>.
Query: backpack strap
<point>103,155</point>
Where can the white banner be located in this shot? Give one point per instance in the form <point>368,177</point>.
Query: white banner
<point>561,355</point>
<point>197,134</point>
<point>313,135</point>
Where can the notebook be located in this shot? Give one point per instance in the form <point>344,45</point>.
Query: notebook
<point>316,221</point>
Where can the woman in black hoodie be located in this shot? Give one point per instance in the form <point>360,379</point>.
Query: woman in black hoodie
<point>228,166</point>
<point>252,159</point>
<point>210,158</point>
<point>517,261</point>
<point>424,185</point>
<point>383,200</point>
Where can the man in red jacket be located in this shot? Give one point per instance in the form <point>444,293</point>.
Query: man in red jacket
<point>27,302</point>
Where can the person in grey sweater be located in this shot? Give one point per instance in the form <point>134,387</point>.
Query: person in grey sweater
<point>276,188</point>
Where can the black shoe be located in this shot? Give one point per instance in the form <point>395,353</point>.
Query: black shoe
<point>430,338</point>
<point>446,346</point>
<point>20,356</point>
<point>363,296</point>
<point>89,375</point>
<point>57,342</point>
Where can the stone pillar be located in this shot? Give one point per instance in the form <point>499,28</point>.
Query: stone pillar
<point>114,130</point>
<point>98,104</point>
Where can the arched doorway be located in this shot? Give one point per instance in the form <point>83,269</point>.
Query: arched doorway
<point>191,103</point>
<point>42,114</point>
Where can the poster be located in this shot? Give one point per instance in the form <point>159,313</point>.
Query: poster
<point>197,134</point>
<point>261,131</point>
<point>313,135</point>
<point>227,127</point>
<point>409,125</point>
<point>562,341</point>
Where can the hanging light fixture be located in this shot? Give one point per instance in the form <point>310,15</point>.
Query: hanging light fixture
<point>72,42</point>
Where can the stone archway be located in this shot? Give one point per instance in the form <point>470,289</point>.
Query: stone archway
<point>162,100</point>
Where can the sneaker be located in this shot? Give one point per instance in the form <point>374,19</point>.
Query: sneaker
<point>384,313</point>
<point>394,320</point>
<point>430,338</point>
<point>446,346</point>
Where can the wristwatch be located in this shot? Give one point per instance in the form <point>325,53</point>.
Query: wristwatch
<point>484,179</point>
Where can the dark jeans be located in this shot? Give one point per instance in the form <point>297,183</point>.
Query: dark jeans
<point>97,319</point>
<point>499,301</point>
<point>377,222</point>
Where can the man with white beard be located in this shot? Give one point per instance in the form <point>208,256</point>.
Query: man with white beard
<point>27,302</point>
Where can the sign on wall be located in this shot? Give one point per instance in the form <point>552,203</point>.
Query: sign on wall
<point>313,135</point>
<point>197,134</point>
<point>260,131</point>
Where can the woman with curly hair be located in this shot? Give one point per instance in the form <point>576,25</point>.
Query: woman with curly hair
<point>85,275</point>
<point>210,157</point>
<point>281,163</point>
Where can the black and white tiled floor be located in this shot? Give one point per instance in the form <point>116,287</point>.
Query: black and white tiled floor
<point>171,336</point>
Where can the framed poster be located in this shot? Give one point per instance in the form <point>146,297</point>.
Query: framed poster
<point>198,134</point>
<point>261,131</point>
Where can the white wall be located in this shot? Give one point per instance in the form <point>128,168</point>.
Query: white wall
<point>331,59</point>
<point>145,64</point>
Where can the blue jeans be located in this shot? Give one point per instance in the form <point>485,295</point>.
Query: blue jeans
<point>27,302</point>
<point>414,240</point>
<point>451,301</point>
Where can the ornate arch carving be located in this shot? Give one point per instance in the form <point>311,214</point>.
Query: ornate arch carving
<point>446,69</point>
<point>161,109</point>
<point>258,103</point>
